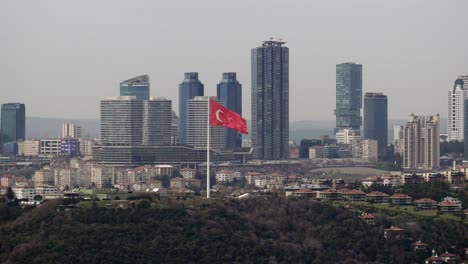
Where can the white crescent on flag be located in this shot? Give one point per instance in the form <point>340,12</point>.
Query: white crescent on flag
<point>217,115</point>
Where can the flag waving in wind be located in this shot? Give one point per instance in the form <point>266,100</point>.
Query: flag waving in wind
<point>221,116</point>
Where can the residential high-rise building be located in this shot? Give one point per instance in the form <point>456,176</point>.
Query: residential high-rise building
<point>230,92</point>
<point>398,139</point>
<point>456,99</point>
<point>376,119</point>
<point>157,121</point>
<point>348,96</point>
<point>197,121</point>
<point>422,142</point>
<point>70,130</point>
<point>13,123</point>
<point>270,101</point>
<point>138,86</point>
<point>121,121</point>
<point>188,89</point>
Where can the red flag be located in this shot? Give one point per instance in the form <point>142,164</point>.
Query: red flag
<point>221,116</point>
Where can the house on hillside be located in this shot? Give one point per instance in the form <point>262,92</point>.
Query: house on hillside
<point>400,199</point>
<point>425,204</point>
<point>377,197</point>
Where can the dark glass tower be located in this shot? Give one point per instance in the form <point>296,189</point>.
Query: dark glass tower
<point>138,86</point>
<point>188,89</point>
<point>230,93</point>
<point>270,101</point>
<point>376,119</point>
<point>13,123</point>
<point>348,96</point>
<point>465,129</point>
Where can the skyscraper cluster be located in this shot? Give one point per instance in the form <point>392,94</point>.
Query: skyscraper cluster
<point>349,104</point>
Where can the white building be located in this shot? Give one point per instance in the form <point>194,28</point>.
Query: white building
<point>24,193</point>
<point>398,139</point>
<point>102,176</point>
<point>46,190</point>
<point>187,173</point>
<point>157,121</point>
<point>197,121</point>
<point>224,176</point>
<point>86,147</point>
<point>456,102</point>
<point>29,147</point>
<point>369,149</point>
<point>70,130</point>
<point>422,142</point>
<point>52,147</point>
<point>347,136</point>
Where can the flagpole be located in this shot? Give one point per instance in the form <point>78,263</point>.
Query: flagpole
<point>208,152</point>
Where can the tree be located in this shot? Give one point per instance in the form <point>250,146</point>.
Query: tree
<point>37,198</point>
<point>10,194</point>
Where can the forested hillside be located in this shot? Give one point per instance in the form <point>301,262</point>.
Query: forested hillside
<point>256,230</point>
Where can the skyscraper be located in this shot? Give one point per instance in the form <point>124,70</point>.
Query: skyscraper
<point>456,99</point>
<point>270,101</point>
<point>188,89</point>
<point>376,119</point>
<point>175,129</point>
<point>13,123</point>
<point>422,142</point>
<point>348,96</point>
<point>197,121</point>
<point>70,130</point>
<point>465,129</point>
<point>230,92</point>
<point>157,121</point>
<point>398,139</point>
<point>138,86</point>
<point>121,121</point>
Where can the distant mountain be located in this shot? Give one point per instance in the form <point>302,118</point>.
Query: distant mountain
<point>315,128</point>
<point>39,127</point>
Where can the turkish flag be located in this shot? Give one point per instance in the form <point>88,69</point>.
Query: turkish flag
<point>221,116</point>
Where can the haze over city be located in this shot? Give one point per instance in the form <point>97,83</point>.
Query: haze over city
<point>62,58</point>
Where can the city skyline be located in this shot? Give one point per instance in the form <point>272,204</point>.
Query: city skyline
<point>39,63</point>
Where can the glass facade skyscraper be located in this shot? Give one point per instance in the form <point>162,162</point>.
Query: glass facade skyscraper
<point>188,89</point>
<point>229,91</point>
<point>121,121</point>
<point>270,101</point>
<point>13,122</point>
<point>348,96</point>
<point>138,86</point>
<point>376,119</point>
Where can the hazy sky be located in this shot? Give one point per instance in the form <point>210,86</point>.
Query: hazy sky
<point>62,57</point>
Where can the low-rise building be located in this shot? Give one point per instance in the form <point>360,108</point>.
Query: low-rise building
<point>187,173</point>
<point>224,176</point>
<point>330,195</point>
<point>368,218</point>
<point>377,197</point>
<point>449,207</point>
<point>425,204</point>
<point>24,193</point>
<point>29,147</point>
<point>305,193</point>
<point>400,199</point>
<point>419,246</point>
<point>393,233</point>
<point>354,195</point>
<point>46,190</point>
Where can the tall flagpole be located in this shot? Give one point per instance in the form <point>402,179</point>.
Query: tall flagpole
<point>208,151</point>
